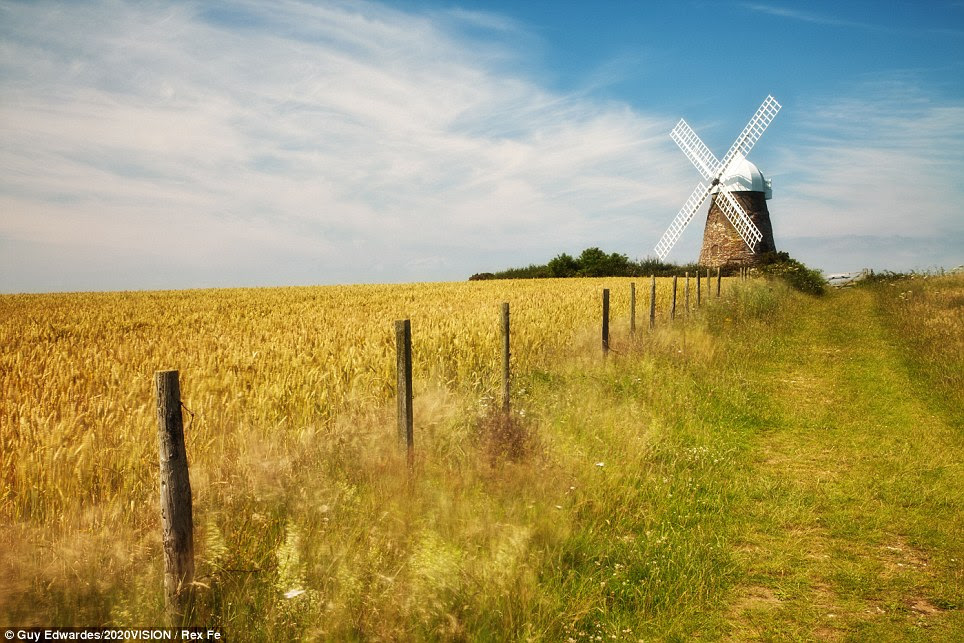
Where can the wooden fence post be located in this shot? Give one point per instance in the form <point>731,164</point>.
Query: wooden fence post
<point>672,307</point>
<point>403,351</point>
<point>686,292</point>
<point>505,358</point>
<point>632,308</point>
<point>177,521</point>
<point>652,304</point>
<point>719,280</point>
<point>699,293</point>
<point>605,320</point>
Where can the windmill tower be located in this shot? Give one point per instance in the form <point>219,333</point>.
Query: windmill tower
<point>738,222</point>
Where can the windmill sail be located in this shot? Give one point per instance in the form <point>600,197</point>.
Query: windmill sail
<point>751,133</point>
<point>695,150</point>
<point>712,169</point>
<point>682,219</point>
<point>750,234</point>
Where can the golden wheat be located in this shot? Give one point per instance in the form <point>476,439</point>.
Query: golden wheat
<point>258,366</point>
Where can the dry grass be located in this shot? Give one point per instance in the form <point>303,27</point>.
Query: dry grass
<point>258,367</point>
<point>928,314</point>
<point>290,396</point>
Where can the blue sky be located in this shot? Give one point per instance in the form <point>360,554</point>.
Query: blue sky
<point>198,144</point>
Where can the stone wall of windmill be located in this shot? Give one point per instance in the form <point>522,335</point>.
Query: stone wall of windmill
<point>722,244</point>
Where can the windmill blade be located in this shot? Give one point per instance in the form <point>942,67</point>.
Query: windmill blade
<point>695,150</point>
<point>751,133</point>
<point>672,234</point>
<point>750,234</point>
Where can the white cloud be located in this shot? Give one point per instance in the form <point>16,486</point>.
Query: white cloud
<point>809,16</point>
<point>881,168</point>
<point>337,134</point>
<point>159,144</point>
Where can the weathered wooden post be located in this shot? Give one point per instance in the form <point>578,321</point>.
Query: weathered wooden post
<point>652,303</point>
<point>719,280</point>
<point>672,306</point>
<point>505,358</point>
<point>605,320</point>
<point>686,292</point>
<point>177,521</point>
<point>632,308</point>
<point>403,352</point>
<point>699,293</point>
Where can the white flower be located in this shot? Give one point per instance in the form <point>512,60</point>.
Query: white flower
<point>291,593</point>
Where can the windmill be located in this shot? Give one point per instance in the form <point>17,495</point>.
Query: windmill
<point>738,222</point>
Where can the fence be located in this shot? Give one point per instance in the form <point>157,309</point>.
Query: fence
<point>176,506</point>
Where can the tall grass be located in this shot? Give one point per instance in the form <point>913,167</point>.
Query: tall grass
<point>296,478</point>
<point>615,503</point>
<point>927,312</point>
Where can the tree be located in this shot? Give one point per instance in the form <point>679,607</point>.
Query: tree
<point>594,262</point>
<point>563,266</point>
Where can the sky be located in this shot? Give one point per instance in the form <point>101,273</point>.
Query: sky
<point>150,145</point>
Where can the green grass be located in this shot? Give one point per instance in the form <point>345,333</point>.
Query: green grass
<point>853,517</point>
<point>774,467</point>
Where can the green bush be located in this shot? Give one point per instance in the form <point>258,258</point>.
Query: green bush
<point>798,276</point>
<point>563,266</point>
<point>592,262</point>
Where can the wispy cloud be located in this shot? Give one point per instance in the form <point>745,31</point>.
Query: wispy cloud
<point>351,139</point>
<point>809,16</point>
<point>880,165</point>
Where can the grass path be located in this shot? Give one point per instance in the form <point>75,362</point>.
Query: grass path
<point>854,515</point>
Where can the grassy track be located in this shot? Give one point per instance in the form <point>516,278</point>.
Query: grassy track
<point>854,509</point>
<point>773,467</point>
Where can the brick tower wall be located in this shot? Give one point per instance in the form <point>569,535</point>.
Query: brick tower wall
<point>722,244</point>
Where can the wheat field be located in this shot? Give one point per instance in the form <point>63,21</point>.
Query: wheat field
<point>76,370</point>
<point>266,375</point>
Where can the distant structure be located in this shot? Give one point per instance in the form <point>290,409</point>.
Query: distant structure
<point>738,228</point>
<point>722,244</point>
<point>844,279</point>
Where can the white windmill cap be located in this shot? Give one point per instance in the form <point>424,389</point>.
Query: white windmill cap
<point>744,176</point>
